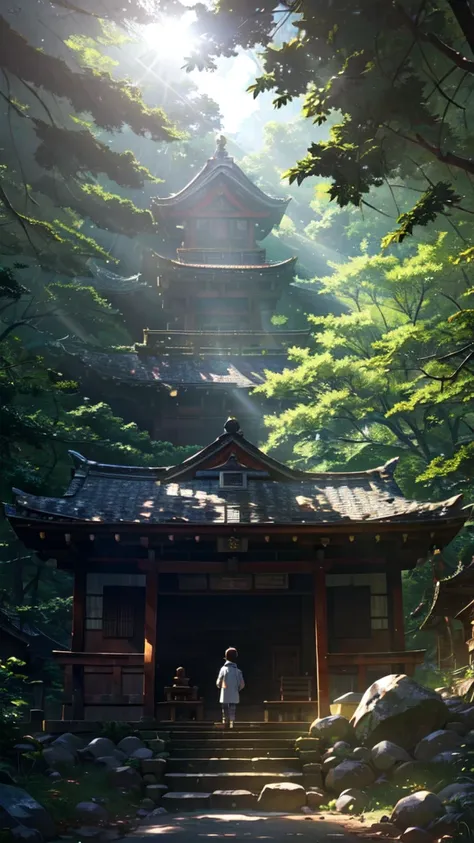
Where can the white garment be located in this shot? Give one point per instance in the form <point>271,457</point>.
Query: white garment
<point>230,681</point>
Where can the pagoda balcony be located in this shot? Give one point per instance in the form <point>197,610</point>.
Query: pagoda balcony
<point>220,343</point>
<point>223,257</point>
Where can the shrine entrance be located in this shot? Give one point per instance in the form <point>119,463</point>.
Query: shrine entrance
<point>274,634</point>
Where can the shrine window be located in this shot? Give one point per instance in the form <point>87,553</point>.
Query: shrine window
<point>232,480</point>
<point>123,612</point>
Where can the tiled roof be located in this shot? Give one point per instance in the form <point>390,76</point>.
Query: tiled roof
<point>213,169</point>
<point>275,494</point>
<point>238,371</point>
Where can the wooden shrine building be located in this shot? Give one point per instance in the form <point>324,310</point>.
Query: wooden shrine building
<point>210,336</point>
<point>451,618</point>
<point>301,571</point>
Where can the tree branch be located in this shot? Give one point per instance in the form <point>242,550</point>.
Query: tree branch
<point>430,38</point>
<point>461,10</point>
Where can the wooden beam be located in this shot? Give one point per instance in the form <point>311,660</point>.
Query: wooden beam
<point>397,618</point>
<point>322,639</point>
<point>151,615</point>
<point>79,610</point>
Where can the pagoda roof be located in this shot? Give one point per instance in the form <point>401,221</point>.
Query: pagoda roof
<point>243,371</point>
<point>451,596</point>
<point>221,169</point>
<point>273,494</point>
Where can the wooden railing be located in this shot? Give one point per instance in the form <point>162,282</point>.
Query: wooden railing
<point>231,257</point>
<point>403,661</point>
<point>101,679</point>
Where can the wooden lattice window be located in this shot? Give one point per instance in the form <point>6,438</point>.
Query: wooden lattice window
<point>122,612</point>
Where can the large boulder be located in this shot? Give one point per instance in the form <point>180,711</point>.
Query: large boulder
<point>410,773</point>
<point>142,753</point>
<point>129,744</point>
<point>349,774</point>
<point>70,741</point>
<point>99,747</point>
<point>444,740</point>
<point>125,778</point>
<point>352,801</point>
<point>90,813</point>
<point>342,749</point>
<point>22,834</point>
<point>416,835</point>
<point>419,809</point>
<point>455,791</point>
<point>332,729</point>
<point>329,762</point>
<point>361,753</point>
<point>282,796</point>
<point>58,757</point>
<point>385,755</point>
<point>19,808</point>
<point>398,709</point>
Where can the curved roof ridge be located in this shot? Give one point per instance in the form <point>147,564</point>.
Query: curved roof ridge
<point>213,168</point>
<point>259,266</point>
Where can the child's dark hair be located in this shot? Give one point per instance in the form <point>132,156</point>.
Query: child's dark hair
<point>231,654</point>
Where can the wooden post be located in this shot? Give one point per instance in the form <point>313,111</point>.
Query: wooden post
<point>321,633</point>
<point>76,679</point>
<point>395,593</point>
<point>151,615</point>
<point>79,611</point>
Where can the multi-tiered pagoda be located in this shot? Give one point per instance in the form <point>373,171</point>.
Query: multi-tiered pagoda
<point>211,338</point>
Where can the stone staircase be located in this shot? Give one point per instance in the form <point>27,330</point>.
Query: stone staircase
<point>225,769</point>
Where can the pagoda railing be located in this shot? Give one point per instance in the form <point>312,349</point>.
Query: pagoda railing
<point>100,679</point>
<point>220,343</point>
<point>223,257</point>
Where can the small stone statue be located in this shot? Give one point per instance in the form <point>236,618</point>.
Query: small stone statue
<point>180,680</point>
<point>221,144</point>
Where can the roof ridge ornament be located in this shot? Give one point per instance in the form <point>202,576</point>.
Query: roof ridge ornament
<point>232,426</point>
<point>221,151</point>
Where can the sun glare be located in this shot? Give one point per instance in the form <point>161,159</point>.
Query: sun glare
<point>170,37</point>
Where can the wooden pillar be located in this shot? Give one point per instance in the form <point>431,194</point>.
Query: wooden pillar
<point>322,643</point>
<point>395,596</point>
<point>76,679</point>
<point>151,615</point>
<point>79,611</point>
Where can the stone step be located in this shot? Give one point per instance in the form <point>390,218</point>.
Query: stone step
<point>241,725</point>
<point>188,752</point>
<point>239,743</point>
<point>186,801</point>
<point>209,782</point>
<point>233,800</point>
<point>226,764</point>
<point>233,734</point>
